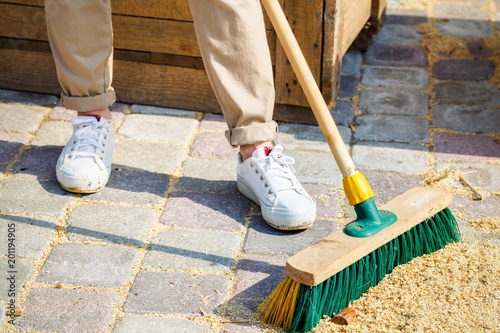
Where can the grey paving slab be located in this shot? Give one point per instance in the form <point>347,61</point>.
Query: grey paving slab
<point>213,145</point>
<point>176,293</point>
<point>14,275</point>
<point>481,176</point>
<point>478,49</point>
<point>10,144</point>
<point>395,77</point>
<point>141,324</point>
<point>312,167</point>
<point>397,34</point>
<point>241,328</point>
<point>147,156</point>
<point>208,176</point>
<point>211,211</point>
<point>466,119</point>
<point>404,129</point>
<point>348,86</point>
<point>388,185</point>
<point>463,69</point>
<point>464,28</point>
<point>88,265</point>
<point>351,63</point>
<point>206,250</point>
<point>307,138</point>
<point>158,128</point>
<point>396,55</point>
<point>32,235</point>
<point>24,97</point>
<point>213,122</point>
<point>113,224</point>
<point>61,113</point>
<point>327,199</point>
<point>390,156</point>
<point>53,134</point>
<point>148,109</point>
<point>139,188</point>
<point>466,93</point>
<point>72,311</point>
<point>33,198</point>
<point>476,209</point>
<point>21,117</point>
<point>405,16</point>
<point>263,239</point>
<point>37,163</point>
<point>460,12</point>
<point>396,102</point>
<point>343,112</point>
<point>465,147</point>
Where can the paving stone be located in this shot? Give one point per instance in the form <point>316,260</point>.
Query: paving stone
<point>147,156</point>
<point>33,235</point>
<point>312,167</point>
<point>348,86</point>
<point>464,29</point>
<point>465,147</point>
<point>395,77</point>
<point>33,198</point>
<point>213,122</point>
<point>76,311</point>
<point>23,97</point>
<point>53,134</point>
<point>396,55</point>
<point>397,102</point>
<point>208,176</point>
<point>257,276</point>
<point>61,113</point>
<point>390,156</point>
<point>147,109</point>
<point>88,265</point>
<point>213,145</point>
<point>327,199</point>
<point>477,48</point>
<point>466,119</point>
<point>176,293</point>
<point>13,276</point>
<point>37,163</point>
<point>343,113</point>
<point>405,16</point>
<point>158,128</point>
<point>388,185</point>
<point>139,324</point>
<point>481,176</point>
<point>476,209</point>
<point>263,239</point>
<point>21,117</point>
<point>219,211</point>
<point>10,143</point>
<point>351,63</point>
<point>307,138</point>
<point>110,224</point>
<point>460,12</point>
<point>241,328</point>
<point>397,34</point>
<point>405,129</point>
<point>463,69</point>
<point>207,250</point>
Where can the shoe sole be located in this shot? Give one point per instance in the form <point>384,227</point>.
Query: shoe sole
<point>62,178</point>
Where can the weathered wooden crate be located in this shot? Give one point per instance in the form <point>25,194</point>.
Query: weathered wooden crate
<point>157,60</point>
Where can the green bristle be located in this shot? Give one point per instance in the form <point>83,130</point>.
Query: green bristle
<point>335,293</point>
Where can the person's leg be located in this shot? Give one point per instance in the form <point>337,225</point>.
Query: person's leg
<point>233,43</point>
<point>81,39</point>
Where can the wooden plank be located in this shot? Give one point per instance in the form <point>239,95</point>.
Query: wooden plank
<point>356,14</point>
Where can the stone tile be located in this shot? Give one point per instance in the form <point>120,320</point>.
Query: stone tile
<point>176,293</point>
<point>139,324</point>
<point>23,97</point>
<point>61,113</point>
<point>462,69</point>
<point>215,211</point>
<point>88,265</point>
<point>147,156</point>
<point>396,102</point>
<point>33,235</point>
<point>13,277</point>
<point>147,109</point>
<point>476,209</point>
<point>207,250</point>
<point>213,122</point>
<point>37,163</point>
<point>33,198</point>
<point>477,48</point>
<point>464,29</point>
<point>263,239</point>
<point>158,128</point>
<point>53,134</point>
<point>256,276</point>
<point>351,63</point>
<point>348,86</point>
<point>343,113</point>
<point>397,34</point>
<point>396,55</point>
<point>405,129</point>
<point>405,16</point>
<point>208,176</point>
<point>10,143</point>
<point>327,199</point>
<point>465,147</point>
<point>481,176</point>
<point>390,156</point>
<point>466,119</point>
<point>76,311</point>
<point>297,137</point>
<point>395,77</point>
<point>213,145</point>
<point>21,117</point>
<point>110,224</point>
<point>312,167</point>
<point>241,328</point>
<point>460,12</point>
<point>388,185</point>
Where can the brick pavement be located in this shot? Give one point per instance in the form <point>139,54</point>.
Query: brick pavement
<point>169,245</point>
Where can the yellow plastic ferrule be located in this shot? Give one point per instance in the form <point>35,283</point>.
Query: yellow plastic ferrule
<point>357,189</point>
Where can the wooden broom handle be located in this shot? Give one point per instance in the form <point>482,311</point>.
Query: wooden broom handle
<point>310,87</point>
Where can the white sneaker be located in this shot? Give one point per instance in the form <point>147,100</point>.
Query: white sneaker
<point>268,179</point>
<point>85,162</point>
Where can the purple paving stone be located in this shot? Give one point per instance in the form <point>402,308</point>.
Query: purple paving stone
<point>396,55</point>
<point>477,48</point>
<point>327,199</point>
<point>476,209</point>
<point>37,163</point>
<point>405,16</point>
<point>217,211</point>
<point>10,143</point>
<point>462,69</point>
<point>466,119</point>
<point>388,185</point>
<point>465,147</point>
<point>143,324</point>
<point>466,93</point>
<point>213,145</point>
<point>71,311</point>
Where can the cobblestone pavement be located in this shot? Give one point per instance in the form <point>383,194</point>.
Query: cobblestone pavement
<point>171,246</point>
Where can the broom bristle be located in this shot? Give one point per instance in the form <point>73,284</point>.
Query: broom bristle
<point>293,311</point>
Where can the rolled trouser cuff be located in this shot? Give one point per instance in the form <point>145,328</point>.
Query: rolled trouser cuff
<point>88,103</point>
<point>253,133</point>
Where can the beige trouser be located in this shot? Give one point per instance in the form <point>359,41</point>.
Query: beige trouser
<point>232,40</point>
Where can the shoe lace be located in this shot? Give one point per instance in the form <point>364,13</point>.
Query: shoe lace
<point>277,171</point>
<point>89,137</point>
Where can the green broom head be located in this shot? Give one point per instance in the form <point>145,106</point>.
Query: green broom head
<point>300,310</point>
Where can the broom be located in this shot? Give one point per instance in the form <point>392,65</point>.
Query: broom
<point>323,278</point>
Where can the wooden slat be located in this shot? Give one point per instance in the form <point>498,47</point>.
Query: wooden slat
<point>355,15</point>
